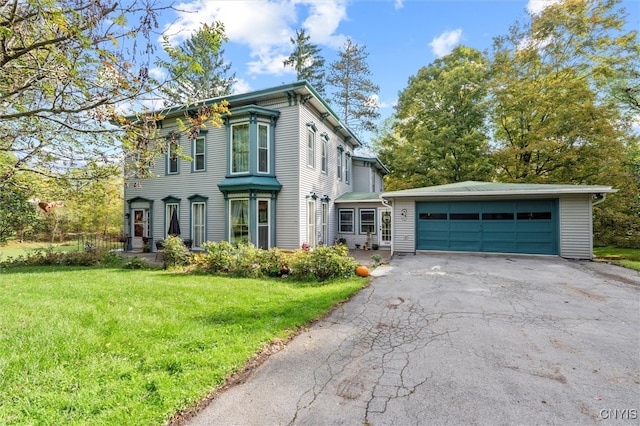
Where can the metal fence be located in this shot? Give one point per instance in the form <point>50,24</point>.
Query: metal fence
<point>100,242</point>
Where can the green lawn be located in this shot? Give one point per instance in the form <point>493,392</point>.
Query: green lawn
<point>112,346</point>
<point>15,249</point>
<point>629,258</point>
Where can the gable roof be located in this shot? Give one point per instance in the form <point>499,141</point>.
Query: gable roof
<point>359,196</point>
<point>465,189</point>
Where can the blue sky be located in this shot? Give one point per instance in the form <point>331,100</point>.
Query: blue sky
<point>401,36</point>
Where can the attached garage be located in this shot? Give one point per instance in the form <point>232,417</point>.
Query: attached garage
<point>496,218</point>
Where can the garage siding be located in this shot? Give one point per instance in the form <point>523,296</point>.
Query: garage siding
<point>404,222</point>
<point>576,240</point>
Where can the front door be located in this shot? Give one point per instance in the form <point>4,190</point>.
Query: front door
<point>384,215</point>
<point>140,227</point>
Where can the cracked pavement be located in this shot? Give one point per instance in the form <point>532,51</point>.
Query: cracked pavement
<point>458,339</point>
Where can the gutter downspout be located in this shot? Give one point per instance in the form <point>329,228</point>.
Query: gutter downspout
<point>604,197</point>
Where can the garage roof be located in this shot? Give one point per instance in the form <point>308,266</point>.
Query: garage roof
<point>359,196</point>
<point>465,189</point>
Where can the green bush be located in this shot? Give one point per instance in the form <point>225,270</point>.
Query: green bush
<point>245,262</point>
<point>273,262</point>
<point>218,257</point>
<point>49,257</point>
<point>175,253</point>
<point>323,263</point>
<point>136,262</point>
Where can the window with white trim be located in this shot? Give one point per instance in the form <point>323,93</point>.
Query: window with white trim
<point>339,168</point>
<point>172,158</point>
<point>347,169</point>
<point>311,223</point>
<point>168,213</point>
<point>323,154</point>
<point>345,221</point>
<point>263,148</point>
<point>199,146</point>
<point>263,225</point>
<point>367,221</point>
<point>311,147</point>
<point>198,223</point>
<point>325,223</point>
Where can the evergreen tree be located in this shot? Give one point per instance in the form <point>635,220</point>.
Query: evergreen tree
<point>196,69</point>
<point>353,92</point>
<point>307,61</point>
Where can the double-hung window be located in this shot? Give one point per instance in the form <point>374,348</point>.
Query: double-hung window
<point>311,223</point>
<point>263,148</point>
<point>339,169</point>
<point>172,158</point>
<point>199,147</point>
<point>240,148</point>
<point>198,223</point>
<point>367,221</point>
<point>347,169</point>
<point>323,155</point>
<point>239,215</point>
<point>311,147</point>
<point>345,221</point>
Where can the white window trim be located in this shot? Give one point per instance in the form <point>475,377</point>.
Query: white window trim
<point>268,201</point>
<point>311,223</point>
<point>194,225</point>
<point>267,149</point>
<point>169,160</point>
<point>373,221</point>
<point>311,148</point>
<point>324,156</point>
<point>167,214</point>
<point>229,237</point>
<point>195,154</point>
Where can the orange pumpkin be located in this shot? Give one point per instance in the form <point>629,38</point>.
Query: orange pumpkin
<point>362,271</point>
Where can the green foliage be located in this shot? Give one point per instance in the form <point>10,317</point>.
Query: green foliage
<point>438,134</point>
<point>63,73</point>
<point>353,91</point>
<point>245,260</point>
<point>17,215</point>
<point>323,263</point>
<point>48,256</point>
<point>136,262</point>
<point>307,61</point>
<point>174,253</point>
<point>196,68</point>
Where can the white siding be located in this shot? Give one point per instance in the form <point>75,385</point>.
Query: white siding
<point>404,226</point>
<point>576,239</point>
<point>356,237</point>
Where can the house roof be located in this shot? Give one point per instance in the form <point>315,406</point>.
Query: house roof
<point>482,189</point>
<point>348,197</point>
<point>373,160</point>
<point>300,91</point>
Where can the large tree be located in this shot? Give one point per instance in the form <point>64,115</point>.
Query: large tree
<point>354,94</point>
<point>69,71</point>
<point>196,68</point>
<point>554,119</point>
<point>306,59</point>
<point>438,135</point>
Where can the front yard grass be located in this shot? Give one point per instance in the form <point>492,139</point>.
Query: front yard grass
<point>627,257</point>
<point>113,346</point>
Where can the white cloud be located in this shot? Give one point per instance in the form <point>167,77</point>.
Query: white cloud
<point>445,42</point>
<point>536,6</point>
<point>241,86</point>
<point>265,27</point>
<point>398,4</point>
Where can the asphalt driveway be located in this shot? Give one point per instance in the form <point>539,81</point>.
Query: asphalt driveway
<point>459,339</point>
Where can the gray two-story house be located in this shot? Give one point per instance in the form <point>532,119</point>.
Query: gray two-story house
<point>270,175</point>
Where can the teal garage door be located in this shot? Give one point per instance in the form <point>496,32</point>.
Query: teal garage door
<point>514,226</point>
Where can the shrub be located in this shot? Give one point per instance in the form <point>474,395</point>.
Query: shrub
<point>136,262</point>
<point>273,262</point>
<point>245,262</point>
<point>326,262</point>
<point>175,252</point>
<point>49,257</point>
<point>218,257</point>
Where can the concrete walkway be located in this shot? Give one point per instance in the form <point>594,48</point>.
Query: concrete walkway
<point>458,339</point>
